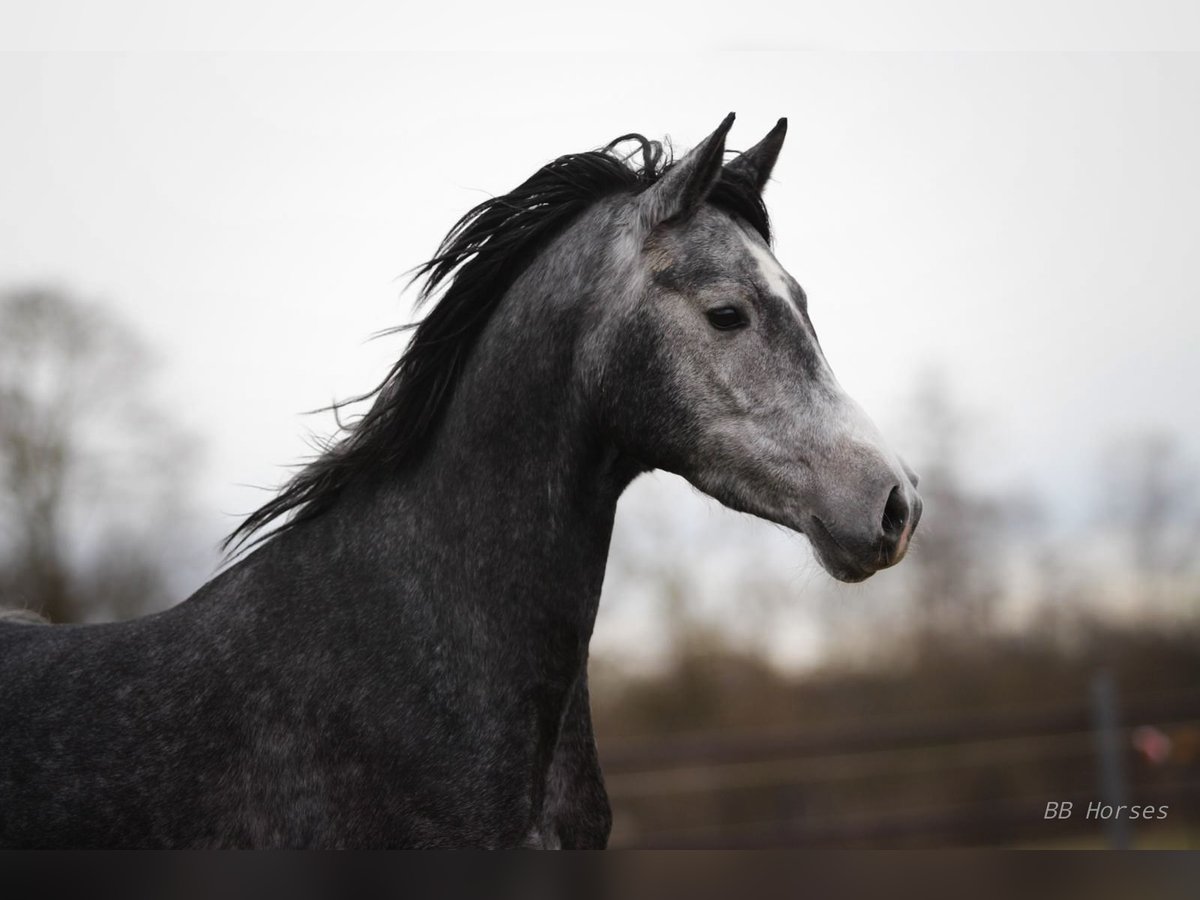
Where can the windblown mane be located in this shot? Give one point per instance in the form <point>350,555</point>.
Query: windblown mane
<point>473,268</point>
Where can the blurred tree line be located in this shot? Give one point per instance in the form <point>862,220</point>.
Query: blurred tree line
<point>91,467</point>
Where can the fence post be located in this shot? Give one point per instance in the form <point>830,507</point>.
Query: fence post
<point>1108,756</point>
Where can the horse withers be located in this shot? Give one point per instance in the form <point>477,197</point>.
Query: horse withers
<point>398,656</point>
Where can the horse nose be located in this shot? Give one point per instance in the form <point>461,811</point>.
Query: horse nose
<point>898,522</point>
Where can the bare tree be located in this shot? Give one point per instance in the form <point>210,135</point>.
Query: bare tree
<point>1151,491</point>
<point>1150,507</point>
<point>88,466</point>
<point>955,579</point>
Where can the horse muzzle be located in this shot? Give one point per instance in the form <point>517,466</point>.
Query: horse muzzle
<point>855,552</point>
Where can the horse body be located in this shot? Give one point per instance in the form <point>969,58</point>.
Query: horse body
<point>404,663</point>
<point>395,671</point>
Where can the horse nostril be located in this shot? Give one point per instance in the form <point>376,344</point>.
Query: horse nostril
<point>895,514</point>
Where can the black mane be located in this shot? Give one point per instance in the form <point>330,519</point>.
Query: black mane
<point>475,264</point>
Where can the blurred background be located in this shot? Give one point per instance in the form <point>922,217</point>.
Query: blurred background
<point>999,253</point>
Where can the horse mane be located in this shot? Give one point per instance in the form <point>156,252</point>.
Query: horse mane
<point>475,264</point>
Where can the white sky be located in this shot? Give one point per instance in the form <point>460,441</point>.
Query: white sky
<point>1028,223</point>
<point>1054,25</point>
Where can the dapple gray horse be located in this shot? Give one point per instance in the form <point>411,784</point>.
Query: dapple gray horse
<point>400,660</point>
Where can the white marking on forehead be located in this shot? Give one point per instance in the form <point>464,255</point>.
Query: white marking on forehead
<point>778,281</point>
<point>772,271</point>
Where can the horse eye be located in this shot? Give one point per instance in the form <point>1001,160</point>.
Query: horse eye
<point>725,318</point>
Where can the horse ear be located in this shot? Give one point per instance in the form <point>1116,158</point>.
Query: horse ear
<point>755,164</point>
<point>678,193</point>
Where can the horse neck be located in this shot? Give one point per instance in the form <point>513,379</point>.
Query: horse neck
<point>519,457</point>
<point>509,512</point>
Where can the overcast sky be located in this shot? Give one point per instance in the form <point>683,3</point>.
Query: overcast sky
<point>1025,223</point>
